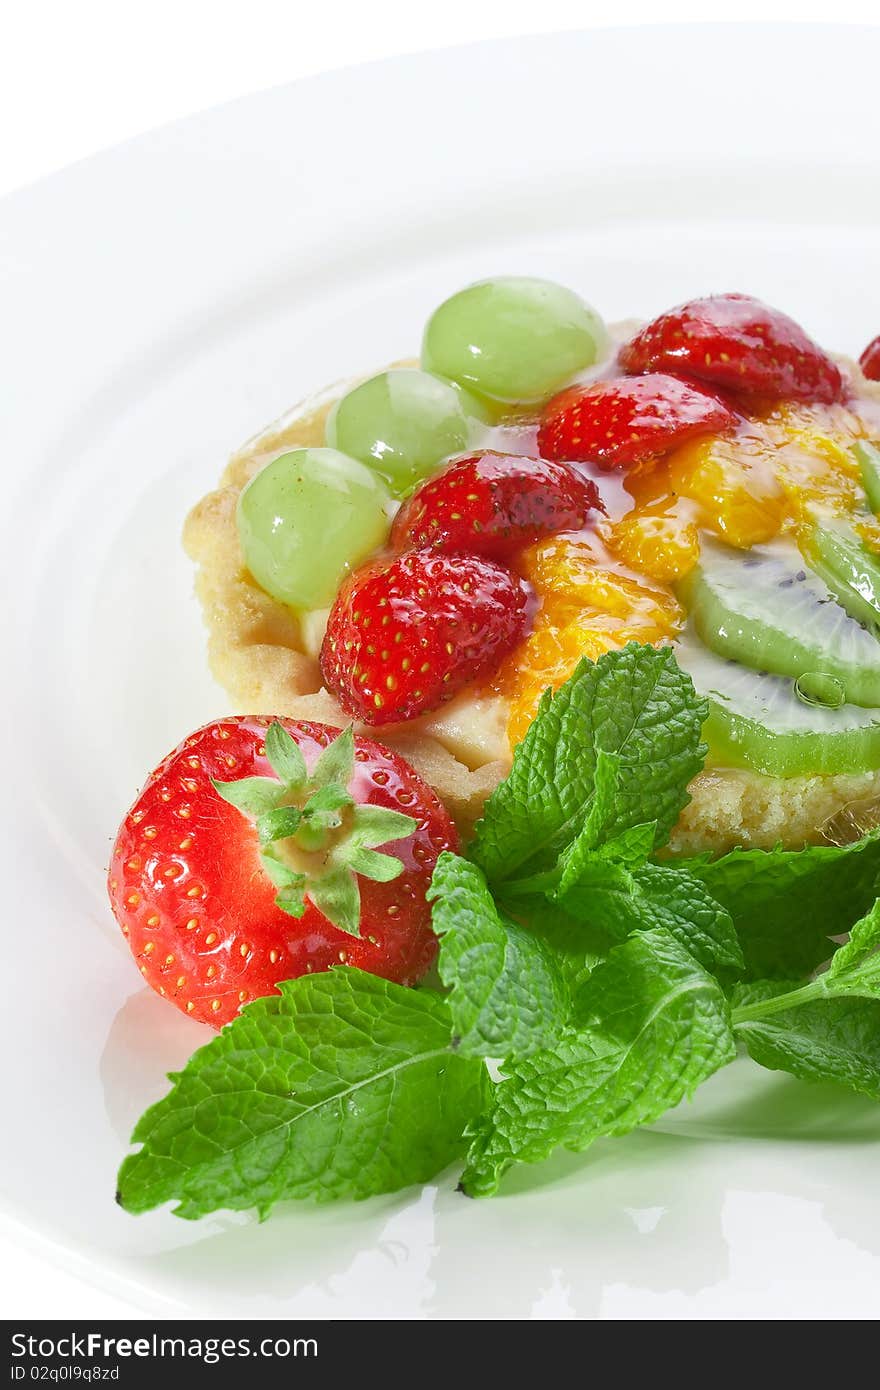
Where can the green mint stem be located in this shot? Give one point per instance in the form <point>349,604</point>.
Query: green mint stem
<point>861,978</point>
<point>537,883</point>
<point>748,1013</point>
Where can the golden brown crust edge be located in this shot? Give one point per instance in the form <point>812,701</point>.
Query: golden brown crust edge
<point>256,652</point>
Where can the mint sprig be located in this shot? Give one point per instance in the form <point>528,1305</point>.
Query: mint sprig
<point>601,979</point>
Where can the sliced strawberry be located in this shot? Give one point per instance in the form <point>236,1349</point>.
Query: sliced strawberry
<point>628,419</point>
<point>402,638</point>
<point>494,504</point>
<point>870,360</point>
<point>737,343</point>
<point>253,855</point>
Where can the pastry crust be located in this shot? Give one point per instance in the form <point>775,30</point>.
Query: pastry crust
<point>260,655</point>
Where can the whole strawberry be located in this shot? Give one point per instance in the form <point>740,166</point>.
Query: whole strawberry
<point>627,419</point>
<point>402,638</point>
<point>262,850</point>
<point>736,343</point>
<point>494,504</point>
<point>870,360</point>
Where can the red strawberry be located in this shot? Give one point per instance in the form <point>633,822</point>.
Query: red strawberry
<point>870,360</point>
<point>224,888</point>
<point>494,504</point>
<point>735,342</point>
<point>628,419</point>
<point>402,638</point>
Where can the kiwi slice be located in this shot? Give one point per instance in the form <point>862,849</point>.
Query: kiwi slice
<point>838,555</point>
<point>758,721</point>
<point>868,458</point>
<point>765,609</point>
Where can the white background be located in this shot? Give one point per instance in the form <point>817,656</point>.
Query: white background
<point>75,78</point>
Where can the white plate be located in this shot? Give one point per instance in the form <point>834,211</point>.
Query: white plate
<point>165,300</point>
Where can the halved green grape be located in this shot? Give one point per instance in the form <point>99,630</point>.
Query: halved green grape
<point>763,608</point>
<point>868,458</point>
<point>403,422</point>
<point>307,519</point>
<point>513,339</point>
<point>757,721</point>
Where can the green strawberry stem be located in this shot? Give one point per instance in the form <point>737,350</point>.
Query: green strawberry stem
<point>316,840</point>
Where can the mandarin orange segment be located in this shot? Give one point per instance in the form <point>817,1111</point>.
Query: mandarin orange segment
<point>659,540</point>
<point>814,462</point>
<point>587,608</point>
<point>577,572</point>
<point>548,659</point>
<point>562,565</point>
<point>814,485</point>
<point>734,483</point>
<point>832,429</point>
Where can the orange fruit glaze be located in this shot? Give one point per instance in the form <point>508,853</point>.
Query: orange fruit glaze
<point>784,467</point>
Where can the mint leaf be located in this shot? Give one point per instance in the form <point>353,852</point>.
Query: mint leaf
<point>634,703</point>
<point>864,939</point>
<point>656,896</point>
<point>651,1026</point>
<point>507,994</point>
<point>577,947</point>
<point>606,780</point>
<point>785,904</point>
<point>344,1085</point>
<point>828,1040</point>
<point>631,848</point>
<point>581,864</point>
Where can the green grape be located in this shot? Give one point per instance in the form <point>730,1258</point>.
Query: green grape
<point>513,339</point>
<point>307,519</point>
<point>402,423</point>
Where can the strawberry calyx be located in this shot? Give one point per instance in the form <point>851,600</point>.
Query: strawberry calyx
<point>315,839</point>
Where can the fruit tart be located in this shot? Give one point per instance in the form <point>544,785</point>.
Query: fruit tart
<point>673,525</point>
<point>425,553</point>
